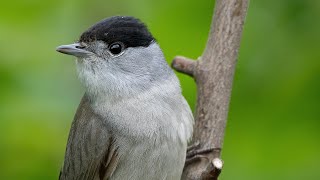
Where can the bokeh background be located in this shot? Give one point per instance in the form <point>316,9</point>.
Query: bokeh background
<point>273,129</point>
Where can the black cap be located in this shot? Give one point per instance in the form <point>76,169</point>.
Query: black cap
<point>128,30</point>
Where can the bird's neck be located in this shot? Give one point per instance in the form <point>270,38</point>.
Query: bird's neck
<point>119,92</point>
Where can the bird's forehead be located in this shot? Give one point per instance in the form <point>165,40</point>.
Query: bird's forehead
<point>128,30</point>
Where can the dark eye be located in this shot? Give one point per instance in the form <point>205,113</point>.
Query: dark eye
<point>116,48</point>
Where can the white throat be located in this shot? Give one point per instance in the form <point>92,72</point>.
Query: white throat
<point>135,71</point>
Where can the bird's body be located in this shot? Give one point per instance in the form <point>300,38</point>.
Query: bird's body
<point>133,122</point>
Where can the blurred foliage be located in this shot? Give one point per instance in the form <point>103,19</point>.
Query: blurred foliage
<point>273,127</point>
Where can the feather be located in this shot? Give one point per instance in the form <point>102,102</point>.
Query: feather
<point>91,153</point>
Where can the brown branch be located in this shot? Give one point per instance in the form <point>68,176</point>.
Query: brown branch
<point>213,74</point>
<point>184,65</point>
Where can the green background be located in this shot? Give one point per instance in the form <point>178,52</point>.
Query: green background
<point>274,120</point>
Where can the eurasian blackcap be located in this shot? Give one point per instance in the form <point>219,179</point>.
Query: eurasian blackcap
<point>133,122</point>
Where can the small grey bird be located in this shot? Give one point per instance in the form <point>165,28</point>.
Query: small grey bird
<point>133,122</point>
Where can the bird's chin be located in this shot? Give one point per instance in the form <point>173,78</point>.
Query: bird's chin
<point>92,58</point>
<point>80,60</point>
<point>84,61</point>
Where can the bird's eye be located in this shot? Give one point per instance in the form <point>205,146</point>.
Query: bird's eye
<point>116,48</point>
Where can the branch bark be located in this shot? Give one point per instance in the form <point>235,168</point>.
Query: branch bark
<point>213,73</point>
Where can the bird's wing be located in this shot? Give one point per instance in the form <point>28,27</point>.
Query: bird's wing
<point>91,153</point>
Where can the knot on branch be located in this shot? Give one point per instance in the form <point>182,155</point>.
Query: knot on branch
<point>213,170</point>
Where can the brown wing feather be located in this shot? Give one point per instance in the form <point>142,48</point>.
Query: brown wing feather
<point>91,153</point>
<point>109,162</point>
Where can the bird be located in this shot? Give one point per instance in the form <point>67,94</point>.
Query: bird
<point>133,121</point>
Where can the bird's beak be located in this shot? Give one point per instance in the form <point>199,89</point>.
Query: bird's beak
<point>73,49</point>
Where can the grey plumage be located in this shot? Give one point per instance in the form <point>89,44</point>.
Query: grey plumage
<point>133,122</point>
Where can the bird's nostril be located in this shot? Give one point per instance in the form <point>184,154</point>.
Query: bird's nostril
<point>80,47</point>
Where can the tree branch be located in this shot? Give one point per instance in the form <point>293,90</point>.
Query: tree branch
<point>213,74</point>
<point>184,65</point>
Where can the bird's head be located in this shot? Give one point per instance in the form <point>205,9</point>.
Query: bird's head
<point>118,56</point>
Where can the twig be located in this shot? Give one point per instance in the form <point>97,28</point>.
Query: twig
<point>184,65</point>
